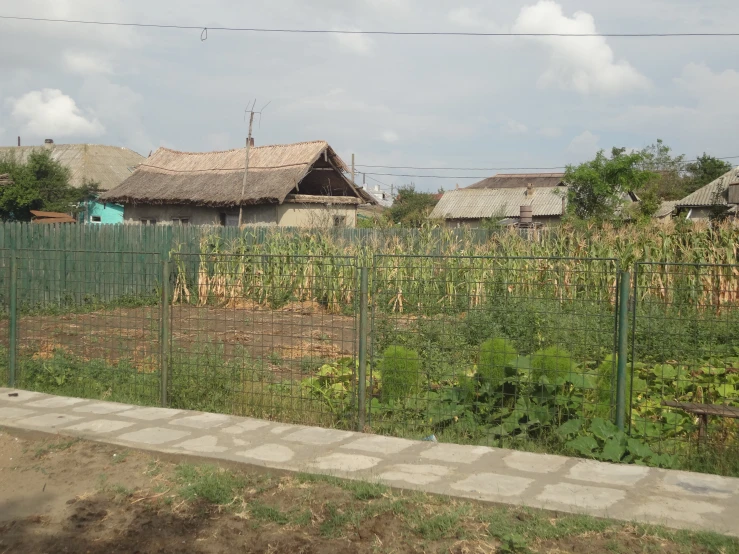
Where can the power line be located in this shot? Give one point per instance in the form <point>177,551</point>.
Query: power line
<point>206,28</point>
<point>683,163</point>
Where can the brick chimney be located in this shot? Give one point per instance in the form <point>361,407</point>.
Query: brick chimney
<point>49,143</point>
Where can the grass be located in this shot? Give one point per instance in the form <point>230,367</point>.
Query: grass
<point>48,448</point>
<point>340,510</point>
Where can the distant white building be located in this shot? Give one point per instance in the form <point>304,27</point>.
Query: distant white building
<point>383,198</point>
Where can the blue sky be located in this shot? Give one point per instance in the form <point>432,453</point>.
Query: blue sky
<point>425,101</point>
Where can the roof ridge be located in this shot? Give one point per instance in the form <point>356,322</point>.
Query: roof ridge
<point>242,147</point>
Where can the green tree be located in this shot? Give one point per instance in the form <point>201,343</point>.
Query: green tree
<point>411,208</point>
<point>704,170</point>
<point>668,182</point>
<point>596,188</point>
<point>41,183</point>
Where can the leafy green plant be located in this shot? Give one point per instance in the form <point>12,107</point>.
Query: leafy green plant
<point>496,355</point>
<point>602,440</point>
<point>333,385</point>
<point>400,369</point>
<point>554,363</point>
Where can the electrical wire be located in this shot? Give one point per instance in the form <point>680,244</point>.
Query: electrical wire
<point>205,28</point>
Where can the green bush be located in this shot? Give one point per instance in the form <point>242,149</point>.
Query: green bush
<point>495,355</point>
<point>553,362</point>
<point>400,371</point>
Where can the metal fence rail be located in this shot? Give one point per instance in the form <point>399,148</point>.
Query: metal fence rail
<point>684,382</point>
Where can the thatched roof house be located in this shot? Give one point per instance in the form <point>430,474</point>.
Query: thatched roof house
<point>299,184</point>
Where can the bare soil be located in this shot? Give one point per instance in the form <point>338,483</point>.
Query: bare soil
<point>66,496</point>
<point>297,331</point>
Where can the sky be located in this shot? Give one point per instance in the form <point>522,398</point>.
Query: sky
<point>431,102</point>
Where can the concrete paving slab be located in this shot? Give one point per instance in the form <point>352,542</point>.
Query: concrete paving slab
<point>379,444</point>
<point>202,421</point>
<point>151,414</point>
<point>664,510</point>
<point>674,498</point>
<point>100,426</point>
<point>207,444</point>
<point>245,426</point>
<point>415,474</point>
<point>581,497</point>
<point>102,408</point>
<point>318,436</point>
<point>14,413</point>
<point>154,435</point>
<point>698,484</point>
<point>276,453</point>
<point>534,463</point>
<point>48,421</point>
<point>17,395</point>
<point>55,402</point>
<point>608,474</point>
<point>345,463</point>
<point>493,486</point>
<point>455,453</point>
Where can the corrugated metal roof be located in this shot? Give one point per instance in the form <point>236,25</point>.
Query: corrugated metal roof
<point>107,165</point>
<point>706,196</point>
<point>518,180</point>
<point>485,203</point>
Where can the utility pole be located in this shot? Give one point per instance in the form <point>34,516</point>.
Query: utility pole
<point>352,169</point>
<point>246,169</point>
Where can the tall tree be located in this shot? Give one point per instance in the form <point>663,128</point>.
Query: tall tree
<point>704,170</point>
<point>41,183</point>
<point>412,208</point>
<point>597,188</point>
<point>668,182</point>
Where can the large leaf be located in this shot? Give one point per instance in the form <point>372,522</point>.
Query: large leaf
<point>665,372</point>
<point>569,428</point>
<point>613,450</point>
<point>638,449</point>
<point>603,429</point>
<point>583,445</point>
<point>727,391</point>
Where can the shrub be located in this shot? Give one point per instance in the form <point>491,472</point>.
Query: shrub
<point>400,370</point>
<point>553,362</point>
<point>495,355</point>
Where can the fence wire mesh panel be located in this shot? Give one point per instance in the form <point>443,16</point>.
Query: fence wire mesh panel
<point>88,324</point>
<point>684,381</point>
<point>492,351</point>
<point>268,336</point>
<point>5,293</point>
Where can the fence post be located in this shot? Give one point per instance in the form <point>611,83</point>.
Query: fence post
<point>623,329</point>
<point>363,328</point>
<point>13,324</point>
<point>164,332</point>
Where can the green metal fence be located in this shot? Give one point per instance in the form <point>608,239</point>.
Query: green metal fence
<point>506,351</point>
<point>684,381</point>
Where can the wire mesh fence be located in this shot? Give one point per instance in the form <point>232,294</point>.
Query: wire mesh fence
<point>492,351</point>
<point>266,336</point>
<point>684,381</point>
<point>86,324</point>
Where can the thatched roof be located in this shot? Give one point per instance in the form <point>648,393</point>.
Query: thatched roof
<point>106,165</point>
<point>216,178</point>
<point>5,180</point>
<point>520,180</point>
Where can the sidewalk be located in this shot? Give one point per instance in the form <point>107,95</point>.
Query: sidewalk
<point>631,493</point>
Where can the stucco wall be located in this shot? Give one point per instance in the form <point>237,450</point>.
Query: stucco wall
<point>109,214</point>
<point>285,215</point>
<point>198,215</point>
<point>315,215</point>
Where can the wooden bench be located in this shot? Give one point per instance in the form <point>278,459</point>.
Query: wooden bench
<point>703,411</point>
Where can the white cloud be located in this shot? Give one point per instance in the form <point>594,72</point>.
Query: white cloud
<point>86,63</point>
<point>359,44</point>
<point>716,91</point>
<point>550,132</point>
<point>515,127</point>
<point>471,18</point>
<point>50,113</point>
<point>584,145</point>
<point>584,64</point>
<point>390,137</point>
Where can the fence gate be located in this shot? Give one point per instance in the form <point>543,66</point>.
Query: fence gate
<point>684,380</point>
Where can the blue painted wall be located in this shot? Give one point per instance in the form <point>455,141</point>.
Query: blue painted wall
<point>108,213</point>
